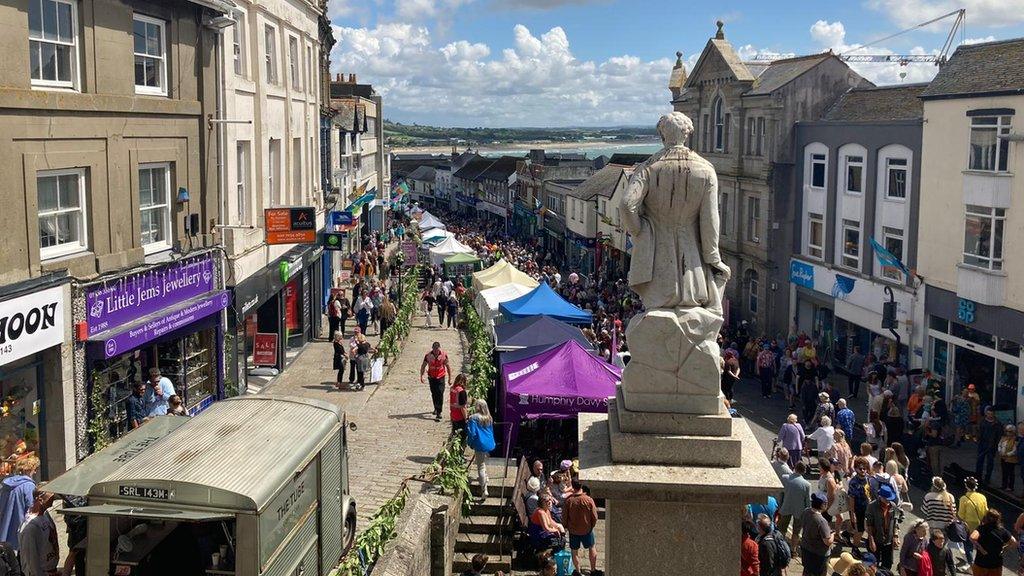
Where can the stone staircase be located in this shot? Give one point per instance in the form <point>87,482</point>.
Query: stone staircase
<point>487,529</point>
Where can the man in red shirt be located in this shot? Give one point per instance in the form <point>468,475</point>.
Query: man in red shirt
<point>435,365</point>
<point>580,514</point>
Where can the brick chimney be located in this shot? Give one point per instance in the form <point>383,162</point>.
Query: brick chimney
<point>351,78</point>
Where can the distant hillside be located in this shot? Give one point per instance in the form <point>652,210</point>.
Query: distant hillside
<point>398,134</point>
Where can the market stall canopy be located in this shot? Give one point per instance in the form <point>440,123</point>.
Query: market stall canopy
<point>487,301</point>
<point>436,235</point>
<point>544,300</point>
<point>461,258</point>
<point>536,331</point>
<point>429,221</point>
<point>559,382</point>
<point>501,273</point>
<point>234,456</point>
<point>448,247</point>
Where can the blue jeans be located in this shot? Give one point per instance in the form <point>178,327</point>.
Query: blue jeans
<point>987,460</point>
<point>969,551</point>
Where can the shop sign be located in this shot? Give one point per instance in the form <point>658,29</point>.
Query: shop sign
<point>290,225</point>
<point>149,330</point>
<point>289,268</point>
<point>409,252</point>
<point>801,274</point>
<point>965,311</point>
<point>31,323</point>
<point>340,218</point>
<point>127,299</point>
<point>264,349</point>
<point>345,275</point>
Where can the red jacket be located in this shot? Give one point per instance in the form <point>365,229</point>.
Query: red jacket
<point>750,565</point>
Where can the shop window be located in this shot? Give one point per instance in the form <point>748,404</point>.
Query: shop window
<point>1009,347</point>
<point>238,44</point>
<point>817,170</point>
<point>854,174</point>
<point>893,242</point>
<point>983,236</point>
<point>815,235</point>
<point>110,386</point>
<point>896,178</point>
<point>851,244</point>
<point>150,55</point>
<point>62,216</point>
<point>20,414</point>
<point>940,357</point>
<point>937,323</point>
<point>53,43</point>
<point>190,365</point>
<point>270,52</point>
<point>989,145</point>
<point>1007,377</point>
<point>971,335</point>
<point>155,206</point>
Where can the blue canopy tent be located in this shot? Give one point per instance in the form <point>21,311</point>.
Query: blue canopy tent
<point>536,331</point>
<point>544,301</point>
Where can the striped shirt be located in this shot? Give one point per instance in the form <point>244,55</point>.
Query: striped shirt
<point>936,511</point>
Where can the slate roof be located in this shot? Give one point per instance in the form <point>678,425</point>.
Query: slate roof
<point>423,174</point>
<point>975,69</point>
<point>602,183</point>
<point>782,72</point>
<point>886,103</point>
<point>472,169</point>
<point>628,159</point>
<point>349,115</point>
<point>568,183</point>
<point>500,169</point>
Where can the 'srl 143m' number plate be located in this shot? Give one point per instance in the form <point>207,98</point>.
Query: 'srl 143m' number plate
<point>143,492</point>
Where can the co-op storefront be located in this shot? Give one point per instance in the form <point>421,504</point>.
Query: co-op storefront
<point>842,310</point>
<point>166,317</point>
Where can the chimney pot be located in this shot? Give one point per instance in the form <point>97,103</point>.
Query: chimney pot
<point>351,78</point>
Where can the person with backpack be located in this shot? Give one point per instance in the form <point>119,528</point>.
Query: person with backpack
<point>458,404</point>
<point>773,551</point>
<point>480,437</point>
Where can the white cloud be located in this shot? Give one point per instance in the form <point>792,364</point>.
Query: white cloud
<point>828,34</point>
<point>989,38</point>
<point>832,35</point>
<point>338,9</point>
<point>544,4</point>
<point>536,82</point>
<point>994,13</point>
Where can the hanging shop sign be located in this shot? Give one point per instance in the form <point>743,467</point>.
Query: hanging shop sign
<point>340,218</point>
<point>264,349</point>
<point>801,274</point>
<point>31,323</point>
<point>409,251</point>
<point>289,268</point>
<point>130,298</point>
<point>290,225</point>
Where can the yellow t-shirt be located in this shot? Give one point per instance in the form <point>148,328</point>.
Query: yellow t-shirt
<point>973,507</point>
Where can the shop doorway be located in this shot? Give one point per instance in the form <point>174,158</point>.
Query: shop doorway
<point>974,368</point>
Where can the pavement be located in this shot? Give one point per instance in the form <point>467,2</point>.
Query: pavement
<point>395,435</point>
<point>765,416</point>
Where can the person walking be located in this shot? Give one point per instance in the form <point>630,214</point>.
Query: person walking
<point>458,400</point>
<point>913,549</point>
<point>482,418</point>
<point>773,552</point>
<point>796,497</point>
<point>340,358</point>
<point>38,550</point>
<point>990,541</point>
<point>817,539</point>
<point>427,306</point>
<point>939,506</point>
<point>750,562</point>
<point>990,430</point>
<point>880,525</point>
<point>845,419</point>
<point>388,314</point>
<point>791,437</point>
<point>1008,458</point>
<point>765,364</point>
<point>453,310</point>
<point>730,375</point>
<point>364,307</point>
<point>854,372</point>
<point>972,509</point>
<point>580,515</point>
<point>437,291</point>
<point>940,554</point>
<point>344,311</point>
<point>16,497</point>
<point>435,366</point>
<point>333,316</point>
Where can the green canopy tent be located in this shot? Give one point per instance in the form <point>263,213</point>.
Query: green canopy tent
<point>462,266</point>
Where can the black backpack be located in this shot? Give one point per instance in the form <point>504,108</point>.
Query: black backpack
<point>779,550</point>
<point>9,565</point>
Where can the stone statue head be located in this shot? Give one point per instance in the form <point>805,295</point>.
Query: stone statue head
<point>674,128</point>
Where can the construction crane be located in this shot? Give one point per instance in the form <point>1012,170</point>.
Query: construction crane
<point>904,59</point>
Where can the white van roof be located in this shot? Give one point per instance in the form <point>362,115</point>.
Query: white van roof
<point>234,455</point>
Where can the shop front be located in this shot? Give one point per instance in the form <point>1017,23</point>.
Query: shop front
<point>842,311</point>
<point>168,317</point>
<point>32,391</point>
<point>276,312</point>
<point>973,343</point>
<point>554,236</point>
<point>581,252</point>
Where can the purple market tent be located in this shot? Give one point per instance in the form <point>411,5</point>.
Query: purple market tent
<point>557,383</point>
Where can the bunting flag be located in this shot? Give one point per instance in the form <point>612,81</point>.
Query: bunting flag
<point>843,286</point>
<point>886,258</point>
<point>358,192</point>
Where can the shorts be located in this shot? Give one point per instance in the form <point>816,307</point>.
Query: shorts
<point>586,541</point>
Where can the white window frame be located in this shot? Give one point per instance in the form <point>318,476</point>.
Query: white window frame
<point>294,51</point>
<point>819,158</point>
<point>1001,128</point>
<point>997,219</point>
<point>753,284</point>
<point>243,164</point>
<point>891,272</point>
<point>762,147</point>
<point>50,252</point>
<point>718,115</point>
<point>274,172</point>
<point>270,54</point>
<point>850,225</point>
<point>889,168</point>
<point>168,207</point>
<point>751,135</point>
<point>816,251</point>
<point>753,219</point>
<point>852,161</point>
<point>239,44</point>
<point>160,90</point>
<point>73,83</point>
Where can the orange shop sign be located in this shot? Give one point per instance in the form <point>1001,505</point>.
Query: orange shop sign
<point>290,225</point>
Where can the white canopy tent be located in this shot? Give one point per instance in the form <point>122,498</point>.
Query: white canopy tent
<point>487,301</point>
<point>448,247</point>
<point>428,221</point>
<point>501,273</point>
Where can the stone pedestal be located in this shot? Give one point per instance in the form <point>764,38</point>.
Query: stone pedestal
<point>671,519</point>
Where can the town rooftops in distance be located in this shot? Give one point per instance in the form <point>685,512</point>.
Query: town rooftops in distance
<point>986,69</point>
<point>342,87</point>
<point>781,72</point>
<point>472,169</point>
<point>879,104</point>
<point>423,174</point>
<point>602,183</point>
<point>623,159</point>
<point>500,169</point>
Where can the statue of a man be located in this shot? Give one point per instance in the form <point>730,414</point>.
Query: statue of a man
<point>670,208</point>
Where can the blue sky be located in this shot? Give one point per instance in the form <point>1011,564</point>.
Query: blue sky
<point>606,62</point>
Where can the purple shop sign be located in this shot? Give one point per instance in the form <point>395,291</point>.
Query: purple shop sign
<point>135,336</point>
<point>133,297</point>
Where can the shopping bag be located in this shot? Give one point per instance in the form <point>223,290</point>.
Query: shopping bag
<point>563,560</point>
<point>377,371</point>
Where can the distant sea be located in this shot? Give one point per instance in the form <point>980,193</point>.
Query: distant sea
<point>590,151</point>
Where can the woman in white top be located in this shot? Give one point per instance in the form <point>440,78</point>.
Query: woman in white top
<point>939,505</point>
<point>824,436</point>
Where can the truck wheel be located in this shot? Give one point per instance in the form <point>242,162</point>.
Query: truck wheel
<point>348,534</point>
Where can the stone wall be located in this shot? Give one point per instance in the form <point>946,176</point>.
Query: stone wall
<point>424,541</point>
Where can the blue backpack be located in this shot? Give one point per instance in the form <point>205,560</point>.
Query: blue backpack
<point>563,560</point>
<point>478,437</point>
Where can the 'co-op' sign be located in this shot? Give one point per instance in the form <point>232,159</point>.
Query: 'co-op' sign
<point>31,323</point>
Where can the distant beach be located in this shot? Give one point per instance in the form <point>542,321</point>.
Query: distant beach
<point>592,148</point>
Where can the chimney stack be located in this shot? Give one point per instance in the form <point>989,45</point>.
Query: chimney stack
<point>340,77</point>
<point>351,78</point>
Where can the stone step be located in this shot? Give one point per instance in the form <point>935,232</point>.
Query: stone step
<point>464,561</point>
<point>486,524</point>
<point>490,507</point>
<point>490,544</point>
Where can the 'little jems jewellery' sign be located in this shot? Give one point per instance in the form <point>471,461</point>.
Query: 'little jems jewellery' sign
<point>130,298</point>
